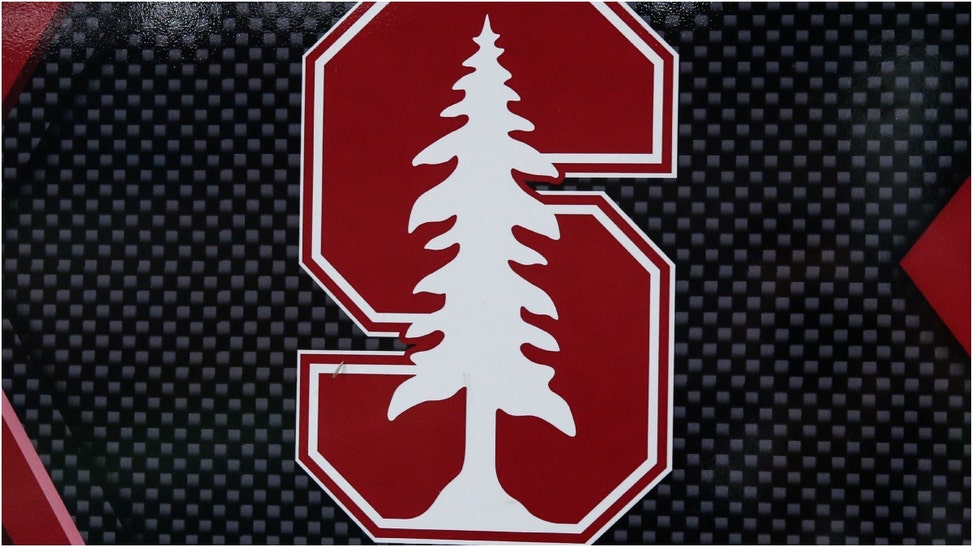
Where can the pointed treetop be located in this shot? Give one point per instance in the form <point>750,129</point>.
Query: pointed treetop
<point>486,37</point>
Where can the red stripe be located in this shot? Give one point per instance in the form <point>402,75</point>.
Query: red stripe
<point>33,512</point>
<point>24,26</point>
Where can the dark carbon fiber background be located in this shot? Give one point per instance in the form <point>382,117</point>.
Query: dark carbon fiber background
<point>153,302</point>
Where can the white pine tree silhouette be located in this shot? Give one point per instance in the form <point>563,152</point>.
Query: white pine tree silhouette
<point>483,295</point>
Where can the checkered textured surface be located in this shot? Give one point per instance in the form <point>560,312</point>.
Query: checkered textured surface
<point>153,302</point>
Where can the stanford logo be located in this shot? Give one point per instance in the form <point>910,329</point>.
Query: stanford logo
<point>534,401</point>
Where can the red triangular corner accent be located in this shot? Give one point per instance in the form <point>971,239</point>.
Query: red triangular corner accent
<point>33,512</point>
<point>24,26</point>
<point>940,264</point>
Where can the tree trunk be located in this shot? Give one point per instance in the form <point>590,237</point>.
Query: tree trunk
<point>480,455</point>
<point>475,499</point>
